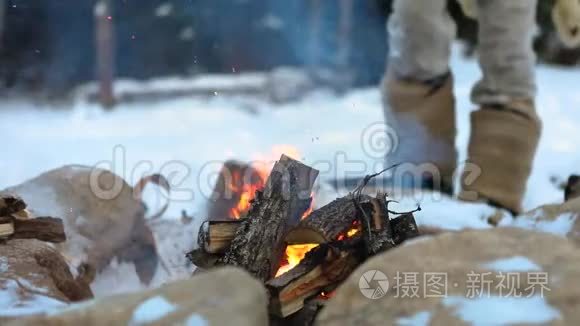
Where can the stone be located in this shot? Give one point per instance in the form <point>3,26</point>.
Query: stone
<point>103,218</point>
<point>467,261</point>
<point>226,296</point>
<point>34,276</point>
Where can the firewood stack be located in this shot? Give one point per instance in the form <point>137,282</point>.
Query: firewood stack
<point>342,235</point>
<point>15,223</point>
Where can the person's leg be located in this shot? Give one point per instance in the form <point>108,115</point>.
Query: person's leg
<point>505,130</point>
<point>418,89</point>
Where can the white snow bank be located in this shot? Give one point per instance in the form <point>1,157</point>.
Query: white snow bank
<point>419,319</point>
<point>487,311</point>
<point>513,264</point>
<point>561,225</point>
<point>12,304</point>
<point>151,310</point>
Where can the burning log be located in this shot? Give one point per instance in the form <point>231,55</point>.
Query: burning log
<point>321,249</point>
<point>404,228</point>
<point>274,210</point>
<point>322,269</point>
<point>378,232</point>
<point>325,224</point>
<point>304,316</point>
<point>234,189</point>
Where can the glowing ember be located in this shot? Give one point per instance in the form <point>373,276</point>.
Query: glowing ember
<point>356,228</point>
<point>294,254</point>
<point>310,209</point>
<point>326,295</point>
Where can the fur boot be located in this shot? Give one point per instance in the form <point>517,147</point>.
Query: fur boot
<point>423,117</point>
<point>502,147</point>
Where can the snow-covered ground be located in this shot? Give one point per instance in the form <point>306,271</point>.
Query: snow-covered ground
<point>192,136</point>
<point>188,139</point>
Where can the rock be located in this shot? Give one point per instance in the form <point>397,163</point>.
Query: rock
<point>101,215</point>
<point>227,296</point>
<point>34,276</point>
<point>462,259</point>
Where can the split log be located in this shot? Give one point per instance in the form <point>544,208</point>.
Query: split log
<point>377,230</point>
<point>220,235</point>
<point>305,316</point>
<point>322,269</point>
<point>258,245</point>
<point>325,224</point>
<point>6,226</point>
<point>233,178</point>
<point>404,228</point>
<point>47,229</point>
<point>10,205</point>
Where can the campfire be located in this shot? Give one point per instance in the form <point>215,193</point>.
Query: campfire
<point>300,254</point>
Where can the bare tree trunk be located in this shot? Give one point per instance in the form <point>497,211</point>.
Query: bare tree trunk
<point>105,52</point>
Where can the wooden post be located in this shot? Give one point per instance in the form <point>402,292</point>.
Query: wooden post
<point>2,20</point>
<point>314,34</point>
<point>344,32</point>
<point>105,52</point>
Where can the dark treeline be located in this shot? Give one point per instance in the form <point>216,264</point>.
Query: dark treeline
<point>49,45</point>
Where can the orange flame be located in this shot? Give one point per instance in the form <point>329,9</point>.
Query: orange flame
<point>262,165</point>
<point>246,190</point>
<point>295,253</point>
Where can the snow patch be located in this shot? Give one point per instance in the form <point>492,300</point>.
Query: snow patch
<point>31,287</point>
<point>513,264</point>
<point>196,320</point>
<point>502,310</point>
<point>151,310</point>
<point>12,304</point>
<point>419,319</point>
<point>561,225</point>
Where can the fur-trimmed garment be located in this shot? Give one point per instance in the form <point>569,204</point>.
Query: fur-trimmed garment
<point>422,31</point>
<point>565,14</point>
